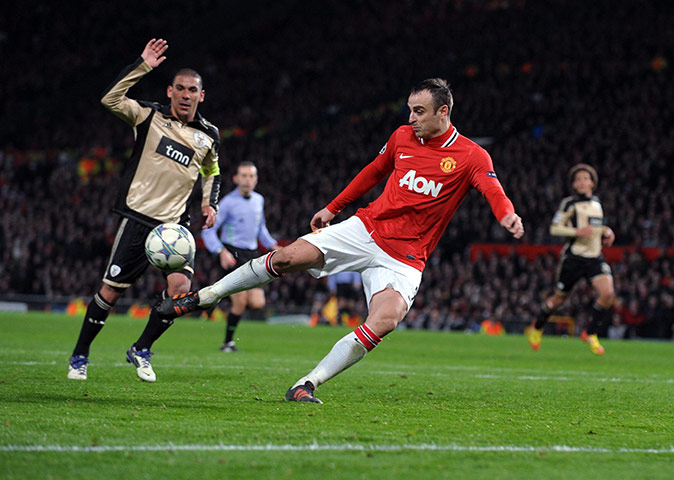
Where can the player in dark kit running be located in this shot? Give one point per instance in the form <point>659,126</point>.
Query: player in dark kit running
<point>174,146</point>
<point>432,168</point>
<point>580,218</point>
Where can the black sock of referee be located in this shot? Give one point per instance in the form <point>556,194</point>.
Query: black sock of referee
<point>94,320</point>
<point>232,322</point>
<point>543,317</point>
<point>154,329</point>
<point>600,318</point>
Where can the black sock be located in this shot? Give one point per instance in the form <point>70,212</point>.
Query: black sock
<point>94,320</point>
<point>154,329</point>
<point>600,318</point>
<point>232,322</point>
<point>543,317</point>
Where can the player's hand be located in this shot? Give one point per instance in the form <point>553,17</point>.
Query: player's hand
<point>227,260</point>
<point>321,219</point>
<point>513,223</point>
<point>608,237</point>
<point>153,52</point>
<point>208,213</point>
<point>584,232</point>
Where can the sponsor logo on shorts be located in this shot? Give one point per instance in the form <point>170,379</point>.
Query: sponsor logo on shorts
<point>115,270</point>
<point>175,151</point>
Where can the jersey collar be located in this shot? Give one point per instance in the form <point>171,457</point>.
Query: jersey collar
<point>442,141</point>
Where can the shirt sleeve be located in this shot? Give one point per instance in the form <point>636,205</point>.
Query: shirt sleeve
<point>210,235</point>
<point>559,226</point>
<point>264,236</point>
<point>484,179</point>
<point>210,177</point>
<point>367,178</point>
<point>115,99</point>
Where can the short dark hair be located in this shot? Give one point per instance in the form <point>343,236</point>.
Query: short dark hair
<point>188,72</point>
<point>439,88</point>
<point>245,163</point>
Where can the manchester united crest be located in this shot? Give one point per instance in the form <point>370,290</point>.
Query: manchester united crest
<point>447,164</point>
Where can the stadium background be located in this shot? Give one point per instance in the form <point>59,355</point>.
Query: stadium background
<point>311,92</point>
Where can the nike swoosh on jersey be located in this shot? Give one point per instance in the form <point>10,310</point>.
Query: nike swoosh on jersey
<point>402,155</point>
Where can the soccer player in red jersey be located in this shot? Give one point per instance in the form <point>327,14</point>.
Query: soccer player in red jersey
<point>432,168</point>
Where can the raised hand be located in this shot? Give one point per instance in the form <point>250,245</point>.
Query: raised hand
<point>152,54</point>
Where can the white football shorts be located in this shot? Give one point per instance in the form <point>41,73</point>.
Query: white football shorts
<point>348,246</point>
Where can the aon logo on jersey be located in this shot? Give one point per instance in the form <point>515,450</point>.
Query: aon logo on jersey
<point>420,184</point>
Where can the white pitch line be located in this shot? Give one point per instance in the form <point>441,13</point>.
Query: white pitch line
<point>327,447</point>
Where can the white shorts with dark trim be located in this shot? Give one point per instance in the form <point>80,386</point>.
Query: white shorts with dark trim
<point>348,246</point>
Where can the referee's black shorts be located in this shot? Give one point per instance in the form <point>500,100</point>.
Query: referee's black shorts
<point>127,259</point>
<point>572,268</point>
<point>241,255</point>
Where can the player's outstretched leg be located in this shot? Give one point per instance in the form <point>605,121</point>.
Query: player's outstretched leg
<point>347,351</point>
<point>252,274</point>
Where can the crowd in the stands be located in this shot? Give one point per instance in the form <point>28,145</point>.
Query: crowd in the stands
<point>310,93</point>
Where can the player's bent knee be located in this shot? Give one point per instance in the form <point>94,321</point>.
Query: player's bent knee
<point>382,328</point>
<point>298,256</point>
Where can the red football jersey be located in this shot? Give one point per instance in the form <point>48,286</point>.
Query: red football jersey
<point>428,182</point>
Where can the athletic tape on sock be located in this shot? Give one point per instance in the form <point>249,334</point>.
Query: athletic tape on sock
<point>367,337</point>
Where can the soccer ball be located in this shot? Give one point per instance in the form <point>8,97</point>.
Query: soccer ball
<point>170,247</point>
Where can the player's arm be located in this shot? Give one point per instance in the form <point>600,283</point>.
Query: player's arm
<point>114,97</point>
<point>607,236</point>
<point>212,241</point>
<point>366,179</point>
<point>210,184</point>
<point>561,222</point>
<point>264,236</point>
<point>210,235</point>
<point>484,179</point>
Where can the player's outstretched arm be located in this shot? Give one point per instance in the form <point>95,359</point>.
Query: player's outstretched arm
<point>321,219</point>
<point>154,51</point>
<point>513,223</point>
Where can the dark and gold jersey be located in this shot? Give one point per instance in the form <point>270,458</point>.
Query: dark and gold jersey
<point>579,211</point>
<point>167,158</point>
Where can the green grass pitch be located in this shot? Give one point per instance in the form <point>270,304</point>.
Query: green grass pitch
<point>421,405</point>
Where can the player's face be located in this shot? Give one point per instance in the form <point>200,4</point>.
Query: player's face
<point>582,183</point>
<point>425,120</point>
<point>246,179</point>
<point>186,94</point>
